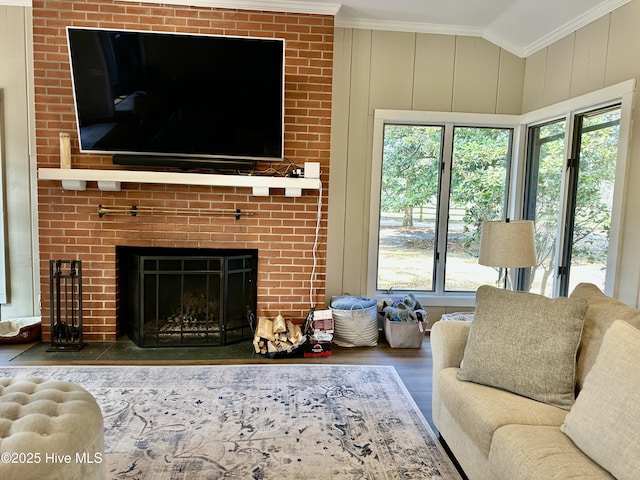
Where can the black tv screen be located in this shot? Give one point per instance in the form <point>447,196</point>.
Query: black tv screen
<point>166,95</point>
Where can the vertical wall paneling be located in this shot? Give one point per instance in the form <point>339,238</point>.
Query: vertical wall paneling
<point>622,63</point>
<point>629,266</point>
<point>399,70</point>
<point>622,48</point>
<point>476,75</point>
<point>3,216</point>
<point>358,155</point>
<point>336,227</point>
<point>557,81</point>
<point>433,83</point>
<point>590,57</point>
<point>4,47</point>
<point>533,85</point>
<point>510,84</point>
<point>600,54</point>
<point>392,69</point>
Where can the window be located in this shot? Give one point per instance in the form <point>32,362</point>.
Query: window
<point>570,198</point>
<point>409,207</point>
<point>437,183</point>
<point>544,200</point>
<point>437,176</point>
<point>478,192</point>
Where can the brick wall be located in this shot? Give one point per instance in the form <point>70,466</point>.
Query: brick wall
<point>282,229</point>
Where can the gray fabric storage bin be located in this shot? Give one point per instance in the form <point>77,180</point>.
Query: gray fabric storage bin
<point>404,334</point>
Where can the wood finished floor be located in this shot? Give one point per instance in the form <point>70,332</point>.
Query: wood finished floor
<point>414,366</point>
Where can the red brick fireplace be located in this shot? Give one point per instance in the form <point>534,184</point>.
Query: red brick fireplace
<point>281,228</point>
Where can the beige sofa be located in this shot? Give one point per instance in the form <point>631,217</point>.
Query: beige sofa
<point>496,434</point>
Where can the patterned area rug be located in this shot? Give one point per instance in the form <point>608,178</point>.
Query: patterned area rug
<point>302,422</point>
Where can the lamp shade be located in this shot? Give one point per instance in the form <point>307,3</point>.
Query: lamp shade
<point>507,244</point>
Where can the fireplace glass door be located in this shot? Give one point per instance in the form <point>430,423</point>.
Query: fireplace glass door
<point>190,300</point>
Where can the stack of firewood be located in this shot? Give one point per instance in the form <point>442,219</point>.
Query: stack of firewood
<point>277,336</point>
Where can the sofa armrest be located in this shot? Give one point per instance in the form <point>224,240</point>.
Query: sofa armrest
<point>448,341</point>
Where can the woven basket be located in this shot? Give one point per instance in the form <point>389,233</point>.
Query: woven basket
<point>355,327</point>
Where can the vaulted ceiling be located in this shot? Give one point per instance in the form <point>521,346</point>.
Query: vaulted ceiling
<point>519,26</point>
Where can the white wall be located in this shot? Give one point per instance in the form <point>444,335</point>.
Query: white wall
<point>15,62</point>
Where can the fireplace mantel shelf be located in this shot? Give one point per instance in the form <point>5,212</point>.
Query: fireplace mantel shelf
<point>110,180</point>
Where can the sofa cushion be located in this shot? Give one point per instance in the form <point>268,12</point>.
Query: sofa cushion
<point>605,420</point>
<point>603,310</point>
<point>481,410</point>
<point>531,452</point>
<point>525,343</point>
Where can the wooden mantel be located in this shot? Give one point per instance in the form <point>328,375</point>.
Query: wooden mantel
<point>111,180</point>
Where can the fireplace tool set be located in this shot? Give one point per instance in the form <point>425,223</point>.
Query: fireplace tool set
<point>66,305</point>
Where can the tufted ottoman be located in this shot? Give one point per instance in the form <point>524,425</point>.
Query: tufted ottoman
<point>49,429</point>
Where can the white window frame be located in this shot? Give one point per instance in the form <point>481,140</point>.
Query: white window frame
<point>448,121</point>
<point>622,93</point>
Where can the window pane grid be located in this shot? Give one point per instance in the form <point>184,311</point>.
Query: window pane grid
<point>544,201</point>
<point>429,223</point>
<point>591,219</point>
<point>478,193</point>
<point>412,156</point>
<point>570,199</point>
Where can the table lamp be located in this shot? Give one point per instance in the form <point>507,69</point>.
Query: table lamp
<point>507,245</point>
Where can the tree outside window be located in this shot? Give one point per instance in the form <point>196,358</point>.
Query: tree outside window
<point>419,184</point>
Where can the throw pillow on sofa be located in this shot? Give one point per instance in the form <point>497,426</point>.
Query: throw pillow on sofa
<point>605,420</point>
<point>525,343</point>
<point>603,310</point>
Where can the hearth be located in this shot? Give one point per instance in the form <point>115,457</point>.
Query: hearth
<point>187,297</point>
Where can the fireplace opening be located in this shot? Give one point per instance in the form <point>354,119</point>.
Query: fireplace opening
<point>186,297</point>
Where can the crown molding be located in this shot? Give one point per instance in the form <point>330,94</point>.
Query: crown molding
<point>505,43</point>
<point>397,26</point>
<point>289,6</point>
<point>494,36</point>
<point>16,3</point>
<point>575,24</point>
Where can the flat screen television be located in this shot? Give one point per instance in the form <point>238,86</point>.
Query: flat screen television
<point>171,99</point>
